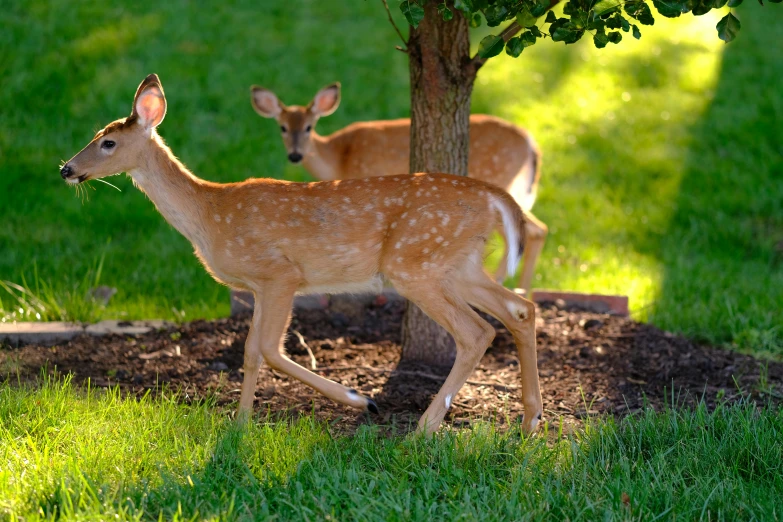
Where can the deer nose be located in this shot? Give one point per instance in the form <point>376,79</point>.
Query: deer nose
<point>66,172</point>
<point>294,157</point>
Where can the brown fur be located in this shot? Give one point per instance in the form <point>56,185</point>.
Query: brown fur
<point>500,153</point>
<point>425,234</point>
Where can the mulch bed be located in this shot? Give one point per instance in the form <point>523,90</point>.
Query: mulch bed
<point>590,364</point>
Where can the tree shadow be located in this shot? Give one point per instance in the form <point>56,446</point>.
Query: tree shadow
<point>226,486</point>
<point>406,394</point>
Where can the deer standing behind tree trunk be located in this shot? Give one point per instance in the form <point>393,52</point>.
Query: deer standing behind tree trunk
<point>425,234</point>
<point>500,153</point>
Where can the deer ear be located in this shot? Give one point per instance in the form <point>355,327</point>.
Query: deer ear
<point>149,106</point>
<point>265,102</point>
<point>326,101</point>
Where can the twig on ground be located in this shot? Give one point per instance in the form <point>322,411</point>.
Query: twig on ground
<point>423,375</point>
<point>304,344</point>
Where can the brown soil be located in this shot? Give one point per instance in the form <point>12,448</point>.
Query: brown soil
<point>589,363</point>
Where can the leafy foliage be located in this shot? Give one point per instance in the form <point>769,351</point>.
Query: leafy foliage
<point>728,27</point>
<point>580,17</point>
<point>490,46</point>
<point>445,12</point>
<point>413,12</point>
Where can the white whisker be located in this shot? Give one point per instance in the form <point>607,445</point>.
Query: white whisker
<point>107,183</point>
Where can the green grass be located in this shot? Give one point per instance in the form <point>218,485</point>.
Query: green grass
<point>661,169</point>
<point>91,455</point>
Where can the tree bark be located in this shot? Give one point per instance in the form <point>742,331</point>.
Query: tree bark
<point>442,79</point>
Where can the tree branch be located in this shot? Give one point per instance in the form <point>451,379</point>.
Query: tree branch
<point>391,20</point>
<point>507,34</point>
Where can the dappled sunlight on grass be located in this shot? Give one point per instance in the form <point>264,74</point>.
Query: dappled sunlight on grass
<point>614,128</point>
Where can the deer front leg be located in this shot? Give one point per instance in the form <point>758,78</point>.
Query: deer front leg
<point>252,365</point>
<point>271,317</point>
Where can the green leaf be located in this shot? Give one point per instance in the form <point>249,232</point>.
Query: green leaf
<point>550,17</point>
<point>563,30</point>
<point>495,14</point>
<point>636,32</point>
<point>539,9</point>
<point>605,7</point>
<point>535,31</point>
<point>475,20</point>
<point>514,47</point>
<point>624,24</point>
<point>734,3</point>
<point>614,21</point>
<point>528,38</point>
<point>413,12</point>
<point>572,8</point>
<point>776,1</point>
<point>615,37</point>
<point>717,4</point>
<point>525,19</point>
<point>490,46</point>
<point>596,25</point>
<point>599,39</point>
<point>639,10</point>
<point>466,6</point>
<point>445,12</point>
<point>728,27</point>
<point>701,7</point>
<point>671,8</point>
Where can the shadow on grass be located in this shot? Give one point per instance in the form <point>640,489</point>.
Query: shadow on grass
<point>230,485</point>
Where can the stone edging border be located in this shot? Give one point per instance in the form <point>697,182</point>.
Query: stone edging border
<point>48,333</point>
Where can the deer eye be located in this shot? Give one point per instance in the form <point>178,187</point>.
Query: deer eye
<point>283,128</point>
<point>308,128</point>
<point>108,144</point>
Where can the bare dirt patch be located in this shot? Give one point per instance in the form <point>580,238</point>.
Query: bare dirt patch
<point>590,364</point>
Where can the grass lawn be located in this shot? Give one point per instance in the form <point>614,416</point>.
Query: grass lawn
<point>90,455</point>
<point>661,155</point>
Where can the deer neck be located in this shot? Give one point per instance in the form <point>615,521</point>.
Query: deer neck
<point>178,195</point>
<point>321,160</point>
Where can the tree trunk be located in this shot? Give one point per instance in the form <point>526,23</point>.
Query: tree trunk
<point>441,85</point>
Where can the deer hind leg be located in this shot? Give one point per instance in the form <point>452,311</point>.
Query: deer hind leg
<point>535,236</point>
<point>518,316</point>
<point>270,319</point>
<point>472,336</point>
<point>502,272</point>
